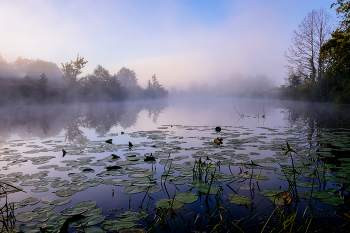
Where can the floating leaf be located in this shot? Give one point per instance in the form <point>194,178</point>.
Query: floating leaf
<point>133,189</point>
<point>109,141</point>
<point>29,201</point>
<point>46,215</point>
<point>26,216</point>
<point>42,209</point>
<point>130,144</point>
<point>89,221</point>
<point>65,192</point>
<point>93,211</point>
<point>39,190</point>
<point>166,203</point>
<point>59,183</point>
<point>64,153</point>
<point>88,204</point>
<point>61,201</point>
<point>314,194</point>
<point>307,184</point>
<point>116,225</point>
<point>240,200</point>
<point>132,216</point>
<point>186,198</point>
<point>270,192</point>
<point>31,227</point>
<point>334,201</point>
<point>74,211</point>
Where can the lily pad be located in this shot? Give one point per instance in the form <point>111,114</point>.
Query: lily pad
<point>74,211</point>
<point>39,190</point>
<point>334,201</point>
<point>270,192</point>
<point>166,203</point>
<point>46,215</point>
<point>132,216</point>
<point>65,192</point>
<point>186,198</point>
<point>89,221</point>
<point>307,184</point>
<point>133,189</point>
<point>29,201</point>
<point>61,201</point>
<point>87,204</point>
<point>26,216</point>
<point>116,225</point>
<point>240,200</point>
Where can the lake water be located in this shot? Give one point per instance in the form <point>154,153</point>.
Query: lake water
<point>91,158</point>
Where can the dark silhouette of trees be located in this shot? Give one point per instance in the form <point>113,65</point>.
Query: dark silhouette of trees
<point>18,87</point>
<point>154,89</point>
<point>100,85</point>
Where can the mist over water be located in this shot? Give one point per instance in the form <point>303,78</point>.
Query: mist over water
<point>100,118</point>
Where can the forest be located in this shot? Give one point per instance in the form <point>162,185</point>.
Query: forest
<point>26,81</point>
<point>319,58</point>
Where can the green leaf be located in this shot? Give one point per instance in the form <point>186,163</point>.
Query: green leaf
<point>166,203</point>
<point>186,197</point>
<point>26,216</point>
<point>334,201</point>
<point>270,192</point>
<point>116,225</point>
<point>240,200</point>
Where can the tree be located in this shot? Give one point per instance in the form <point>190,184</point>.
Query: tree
<point>127,78</point>
<point>100,85</point>
<point>337,54</point>
<point>154,89</point>
<point>71,70</point>
<point>304,53</point>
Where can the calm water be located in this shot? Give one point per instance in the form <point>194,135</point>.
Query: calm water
<point>177,132</point>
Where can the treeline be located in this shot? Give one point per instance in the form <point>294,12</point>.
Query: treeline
<point>319,58</point>
<point>20,83</point>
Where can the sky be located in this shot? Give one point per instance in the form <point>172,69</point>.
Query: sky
<point>180,41</point>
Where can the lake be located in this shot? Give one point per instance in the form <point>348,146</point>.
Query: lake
<point>195,165</point>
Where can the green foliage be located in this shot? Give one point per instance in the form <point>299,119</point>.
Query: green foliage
<point>333,79</point>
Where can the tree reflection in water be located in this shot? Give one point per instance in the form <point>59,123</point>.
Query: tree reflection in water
<point>49,121</point>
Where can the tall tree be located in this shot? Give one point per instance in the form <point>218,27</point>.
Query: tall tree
<point>71,70</point>
<point>127,78</point>
<point>337,52</point>
<point>304,53</point>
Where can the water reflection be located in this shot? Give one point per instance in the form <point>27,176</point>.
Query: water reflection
<point>49,121</point>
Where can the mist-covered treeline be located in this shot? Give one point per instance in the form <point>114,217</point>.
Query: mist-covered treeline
<point>237,85</point>
<point>319,58</point>
<point>27,81</point>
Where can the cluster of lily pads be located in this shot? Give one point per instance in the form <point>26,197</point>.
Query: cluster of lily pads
<point>208,168</point>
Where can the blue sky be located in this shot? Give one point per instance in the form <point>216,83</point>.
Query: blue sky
<point>181,40</point>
